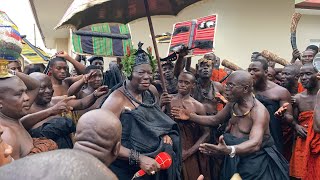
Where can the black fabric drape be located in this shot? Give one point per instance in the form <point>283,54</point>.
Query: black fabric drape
<point>266,164</point>
<point>58,129</point>
<point>275,124</point>
<point>142,130</point>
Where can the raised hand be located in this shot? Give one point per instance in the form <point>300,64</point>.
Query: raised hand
<point>211,149</point>
<point>149,165</point>
<point>296,54</point>
<point>183,51</point>
<point>88,76</point>
<point>280,112</point>
<point>62,106</point>
<point>179,113</point>
<point>102,90</point>
<point>64,55</point>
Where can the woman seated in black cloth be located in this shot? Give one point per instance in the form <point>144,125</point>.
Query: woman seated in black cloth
<point>146,130</point>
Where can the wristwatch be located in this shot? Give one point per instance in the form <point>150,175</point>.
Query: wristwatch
<point>233,151</point>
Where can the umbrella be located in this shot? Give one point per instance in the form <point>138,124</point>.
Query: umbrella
<point>103,39</point>
<point>82,13</point>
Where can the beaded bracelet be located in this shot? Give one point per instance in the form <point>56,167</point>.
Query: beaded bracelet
<point>134,157</point>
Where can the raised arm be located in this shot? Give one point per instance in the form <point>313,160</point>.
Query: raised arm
<point>32,119</point>
<point>70,80</point>
<point>316,118</point>
<point>75,88</point>
<point>80,68</point>
<point>86,102</point>
<point>286,98</point>
<point>32,84</point>
<point>222,116</point>
<point>179,65</point>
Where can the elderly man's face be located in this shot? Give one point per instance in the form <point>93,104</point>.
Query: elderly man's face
<point>234,89</point>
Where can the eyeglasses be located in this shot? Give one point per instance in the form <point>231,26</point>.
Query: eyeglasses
<point>229,85</point>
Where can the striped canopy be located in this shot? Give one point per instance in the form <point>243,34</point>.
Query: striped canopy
<point>104,39</point>
<point>31,56</point>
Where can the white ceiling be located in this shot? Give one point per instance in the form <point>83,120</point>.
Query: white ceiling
<point>49,13</point>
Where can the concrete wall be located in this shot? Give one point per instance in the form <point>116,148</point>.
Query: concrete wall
<point>243,27</point>
<point>308,28</point>
<point>62,44</point>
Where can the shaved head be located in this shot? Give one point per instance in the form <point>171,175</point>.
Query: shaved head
<point>57,164</point>
<point>39,76</point>
<point>239,85</point>
<point>241,77</point>
<point>46,90</point>
<point>99,133</point>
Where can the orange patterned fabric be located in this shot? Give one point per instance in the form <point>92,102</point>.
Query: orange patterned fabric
<point>218,74</point>
<point>301,151</point>
<point>300,88</point>
<point>313,166</point>
<point>42,145</point>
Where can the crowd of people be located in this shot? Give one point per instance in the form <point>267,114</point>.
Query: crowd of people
<point>215,123</point>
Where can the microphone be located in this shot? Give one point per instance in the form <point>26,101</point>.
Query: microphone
<point>163,159</point>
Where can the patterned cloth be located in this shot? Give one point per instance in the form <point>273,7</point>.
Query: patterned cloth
<point>301,151</point>
<point>102,46</point>
<point>42,145</point>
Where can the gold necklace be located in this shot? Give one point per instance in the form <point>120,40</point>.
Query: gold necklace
<point>246,113</point>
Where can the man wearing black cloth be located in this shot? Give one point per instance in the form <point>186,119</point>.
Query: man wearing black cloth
<point>146,130</point>
<point>272,96</point>
<point>247,144</point>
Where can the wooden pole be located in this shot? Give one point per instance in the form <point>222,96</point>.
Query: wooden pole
<point>146,5</point>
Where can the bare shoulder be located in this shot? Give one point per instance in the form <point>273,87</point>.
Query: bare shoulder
<point>260,112</point>
<point>278,88</point>
<point>199,108</point>
<point>115,97</point>
<point>279,91</point>
<point>9,135</point>
<point>154,90</point>
<point>115,102</point>
<point>196,103</point>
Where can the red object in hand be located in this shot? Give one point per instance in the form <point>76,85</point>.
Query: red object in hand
<point>163,159</point>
